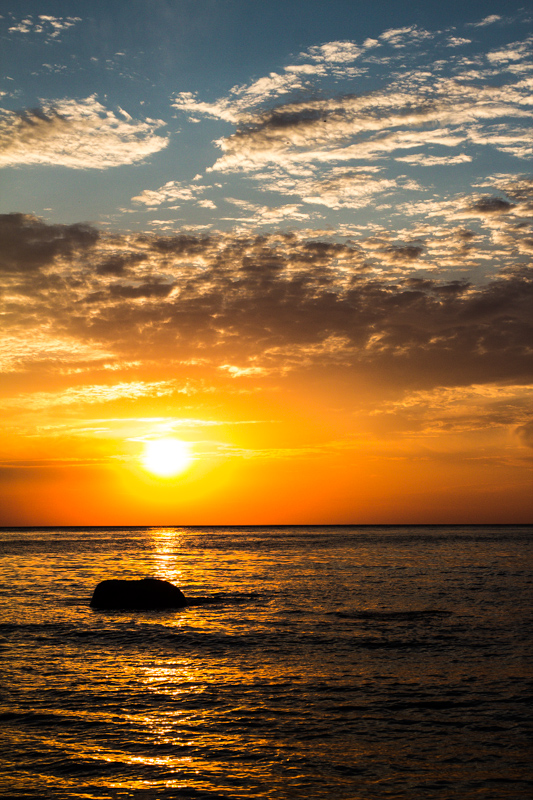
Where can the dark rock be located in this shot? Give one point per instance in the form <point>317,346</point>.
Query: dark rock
<point>147,593</point>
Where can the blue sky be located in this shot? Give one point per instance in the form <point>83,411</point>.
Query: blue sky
<point>173,82</point>
<point>208,204</point>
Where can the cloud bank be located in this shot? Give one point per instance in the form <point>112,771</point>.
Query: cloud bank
<point>276,303</point>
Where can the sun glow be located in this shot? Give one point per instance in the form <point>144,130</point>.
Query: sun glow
<point>166,457</point>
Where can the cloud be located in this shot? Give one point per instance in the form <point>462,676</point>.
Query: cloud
<point>241,98</point>
<point>279,303</point>
<point>80,134</point>
<point>272,215</point>
<point>239,372</point>
<point>369,126</point>
<point>518,187</point>
<point>401,37</point>
<point>176,192</point>
<point>461,409</point>
<point>509,216</point>
<point>434,161</point>
<point>310,130</point>
<point>458,41</point>
<point>169,193</point>
<point>89,395</point>
<point>516,142</point>
<point>492,205</point>
<point>329,58</point>
<point>335,52</point>
<point>27,343</point>
<point>490,20</point>
<point>222,109</point>
<point>44,25</point>
<point>118,263</point>
<point>516,51</point>
<point>344,188</point>
<point>347,107</point>
<point>525,433</point>
<point>28,243</point>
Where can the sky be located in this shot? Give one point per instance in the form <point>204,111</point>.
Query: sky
<point>294,238</point>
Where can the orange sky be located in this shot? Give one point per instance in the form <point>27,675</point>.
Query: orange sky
<point>304,251</point>
<point>272,451</point>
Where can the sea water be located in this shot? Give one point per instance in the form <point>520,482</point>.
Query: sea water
<point>315,662</point>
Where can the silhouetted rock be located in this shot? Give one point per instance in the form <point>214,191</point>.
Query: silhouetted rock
<point>147,593</point>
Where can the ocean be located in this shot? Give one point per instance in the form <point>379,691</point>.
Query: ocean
<point>316,662</point>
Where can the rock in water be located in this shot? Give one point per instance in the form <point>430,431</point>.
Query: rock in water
<point>147,593</point>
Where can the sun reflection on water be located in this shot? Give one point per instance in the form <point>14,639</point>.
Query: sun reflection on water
<point>165,542</point>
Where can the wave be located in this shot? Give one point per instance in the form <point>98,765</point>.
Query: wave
<point>425,613</point>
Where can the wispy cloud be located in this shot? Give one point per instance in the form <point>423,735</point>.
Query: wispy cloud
<point>23,346</point>
<point>80,134</point>
<point>170,192</point>
<point>462,409</point>
<point>402,37</point>
<point>434,161</point>
<point>368,127</point>
<point>490,20</point>
<point>295,128</point>
<point>89,395</point>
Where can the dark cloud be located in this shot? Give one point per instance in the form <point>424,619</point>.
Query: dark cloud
<point>287,117</point>
<point>492,205</point>
<point>517,187</point>
<point>407,252</point>
<point>182,244</point>
<point>453,288</point>
<point>118,263</point>
<point>525,433</point>
<point>279,302</point>
<point>464,235</point>
<point>34,117</point>
<point>27,243</point>
<point>117,291</point>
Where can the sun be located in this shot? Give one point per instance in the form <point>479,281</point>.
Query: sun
<point>166,457</point>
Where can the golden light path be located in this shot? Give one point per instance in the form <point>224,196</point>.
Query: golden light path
<point>166,457</point>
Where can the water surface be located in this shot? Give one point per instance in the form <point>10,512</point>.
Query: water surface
<point>316,662</point>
